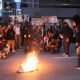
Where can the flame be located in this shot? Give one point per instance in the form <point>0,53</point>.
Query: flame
<point>30,63</point>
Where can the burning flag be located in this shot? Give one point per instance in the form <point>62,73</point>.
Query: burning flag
<point>30,64</point>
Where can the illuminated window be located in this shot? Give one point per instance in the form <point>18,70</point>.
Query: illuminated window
<point>17,0</point>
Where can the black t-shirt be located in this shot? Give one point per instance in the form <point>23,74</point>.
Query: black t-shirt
<point>10,34</point>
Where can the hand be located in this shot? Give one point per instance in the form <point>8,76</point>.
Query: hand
<point>60,35</point>
<point>67,40</point>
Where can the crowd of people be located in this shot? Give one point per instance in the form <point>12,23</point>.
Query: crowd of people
<point>15,36</point>
<point>27,36</point>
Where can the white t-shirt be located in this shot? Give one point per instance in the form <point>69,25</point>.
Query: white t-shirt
<point>17,30</point>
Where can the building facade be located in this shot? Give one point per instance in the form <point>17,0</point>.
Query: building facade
<point>38,8</point>
<point>0,7</point>
<point>60,8</point>
<point>11,7</point>
<point>18,7</point>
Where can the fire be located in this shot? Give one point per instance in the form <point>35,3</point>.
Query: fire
<point>31,63</point>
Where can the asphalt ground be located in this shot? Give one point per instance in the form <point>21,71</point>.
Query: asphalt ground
<point>50,67</point>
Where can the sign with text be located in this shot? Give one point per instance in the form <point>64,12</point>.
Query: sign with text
<point>50,19</point>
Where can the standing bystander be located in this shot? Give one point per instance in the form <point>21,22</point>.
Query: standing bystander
<point>67,33</point>
<point>18,36</point>
<point>10,35</point>
<point>76,24</point>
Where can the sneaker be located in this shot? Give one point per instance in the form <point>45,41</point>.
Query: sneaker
<point>13,51</point>
<point>64,54</point>
<point>77,67</point>
<point>4,57</point>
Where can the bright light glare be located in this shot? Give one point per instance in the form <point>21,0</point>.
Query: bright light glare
<point>17,0</point>
<point>30,64</point>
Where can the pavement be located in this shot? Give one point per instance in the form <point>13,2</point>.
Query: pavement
<point>50,67</point>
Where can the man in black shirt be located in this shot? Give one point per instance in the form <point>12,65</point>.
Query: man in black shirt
<point>10,35</point>
<point>67,33</point>
<point>27,31</point>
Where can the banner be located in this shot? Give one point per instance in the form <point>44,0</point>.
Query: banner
<point>37,21</point>
<point>19,18</point>
<point>50,19</point>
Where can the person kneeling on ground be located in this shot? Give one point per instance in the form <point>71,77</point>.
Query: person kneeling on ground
<point>53,45</point>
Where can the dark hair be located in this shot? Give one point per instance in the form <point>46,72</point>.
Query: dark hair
<point>65,23</point>
<point>76,18</point>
